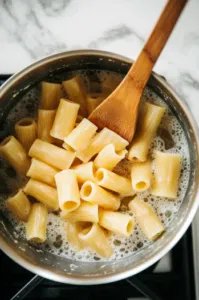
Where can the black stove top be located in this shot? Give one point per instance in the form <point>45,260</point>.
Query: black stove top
<point>18,283</point>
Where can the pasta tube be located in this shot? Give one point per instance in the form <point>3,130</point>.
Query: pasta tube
<point>68,190</point>
<point>87,153</point>
<point>26,132</point>
<point>50,95</point>
<point>108,158</point>
<point>52,155</point>
<point>114,182</point>
<point>107,136</point>
<point>45,123</point>
<point>72,231</point>
<point>86,212</point>
<point>116,222</point>
<point>76,92</point>
<point>37,223</point>
<point>14,153</point>
<point>42,172</point>
<point>93,84</point>
<point>148,221</point>
<point>19,205</point>
<point>64,119</point>
<point>96,239</point>
<point>102,139</point>
<point>141,176</point>
<point>67,147</point>
<point>93,193</point>
<point>93,101</point>
<point>43,193</point>
<point>167,173</point>
<point>148,124</point>
<point>84,172</point>
<point>81,136</point>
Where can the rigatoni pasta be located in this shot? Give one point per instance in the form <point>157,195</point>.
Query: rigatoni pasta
<point>81,136</point>
<point>52,155</point>
<point>95,238</point>
<point>114,182</point>
<point>107,136</point>
<point>40,171</point>
<point>87,153</point>
<point>72,231</point>
<point>108,158</point>
<point>65,118</point>
<point>12,151</point>
<point>76,92</point>
<point>50,95</point>
<point>26,132</point>
<point>141,176</point>
<point>44,124</point>
<point>85,172</point>
<point>167,172</point>
<point>147,127</point>
<point>147,218</point>
<point>19,205</point>
<point>93,101</point>
<point>37,223</point>
<point>68,190</point>
<point>116,222</point>
<point>67,147</point>
<point>43,193</point>
<point>95,194</point>
<point>86,212</point>
<point>102,139</point>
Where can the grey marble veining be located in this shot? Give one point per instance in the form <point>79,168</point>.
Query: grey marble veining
<point>30,30</point>
<point>25,28</point>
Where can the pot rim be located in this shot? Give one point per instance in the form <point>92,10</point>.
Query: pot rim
<point>73,279</point>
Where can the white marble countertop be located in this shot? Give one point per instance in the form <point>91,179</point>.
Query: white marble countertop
<point>30,30</point>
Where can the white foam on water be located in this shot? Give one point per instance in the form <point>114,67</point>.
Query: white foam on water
<point>123,246</point>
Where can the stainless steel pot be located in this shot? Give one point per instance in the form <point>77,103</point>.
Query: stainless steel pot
<point>73,272</point>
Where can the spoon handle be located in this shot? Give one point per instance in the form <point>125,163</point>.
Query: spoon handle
<point>142,68</point>
<point>120,110</point>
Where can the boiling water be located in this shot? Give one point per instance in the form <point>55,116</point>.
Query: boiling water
<point>170,138</point>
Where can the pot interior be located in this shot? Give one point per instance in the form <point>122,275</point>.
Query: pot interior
<point>55,69</point>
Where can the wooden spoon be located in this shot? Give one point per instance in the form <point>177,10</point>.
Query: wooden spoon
<point>119,111</point>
